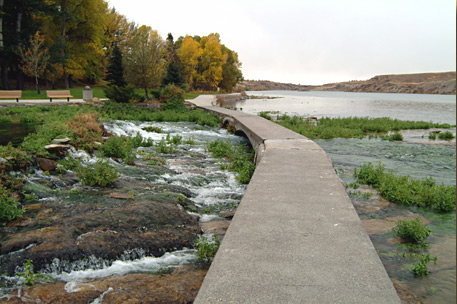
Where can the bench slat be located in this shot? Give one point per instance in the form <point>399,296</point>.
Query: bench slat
<point>58,94</point>
<point>11,94</point>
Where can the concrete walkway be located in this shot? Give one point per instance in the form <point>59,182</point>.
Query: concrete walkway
<point>295,237</point>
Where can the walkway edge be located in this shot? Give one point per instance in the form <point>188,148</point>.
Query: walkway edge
<point>295,237</point>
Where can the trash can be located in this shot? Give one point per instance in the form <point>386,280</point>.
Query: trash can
<point>87,94</point>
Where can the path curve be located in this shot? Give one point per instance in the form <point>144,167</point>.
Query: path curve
<point>295,237</point>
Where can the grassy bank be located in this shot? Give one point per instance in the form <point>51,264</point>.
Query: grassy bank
<point>96,91</point>
<point>351,127</point>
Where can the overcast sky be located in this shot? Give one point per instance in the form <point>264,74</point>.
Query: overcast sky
<point>314,41</point>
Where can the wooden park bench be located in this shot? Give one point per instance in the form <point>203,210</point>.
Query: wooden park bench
<point>58,94</point>
<point>11,94</point>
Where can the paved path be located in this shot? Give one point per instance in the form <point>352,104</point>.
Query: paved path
<point>295,237</point>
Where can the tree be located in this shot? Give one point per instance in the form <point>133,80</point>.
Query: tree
<point>210,65</point>
<point>188,54</point>
<point>143,58</point>
<point>115,73</point>
<point>173,74</point>
<point>231,70</point>
<point>35,58</point>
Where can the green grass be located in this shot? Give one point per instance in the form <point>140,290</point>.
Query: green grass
<point>351,127</point>
<point>406,190</point>
<point>240,157</point>
<point>77,93</point>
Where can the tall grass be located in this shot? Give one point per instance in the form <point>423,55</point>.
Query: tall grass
<point>406,190</point>
<point>351,127</point>
<point>240,157</point>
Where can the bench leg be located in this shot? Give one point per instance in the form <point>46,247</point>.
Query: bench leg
<point>17,99</point>
<point>68,99</point>
<point>50,99</point>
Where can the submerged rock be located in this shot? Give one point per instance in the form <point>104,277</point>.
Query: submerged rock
<point>75,232</point>
<point>181,286</point>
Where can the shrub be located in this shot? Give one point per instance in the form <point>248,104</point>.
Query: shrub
<point>446,135</point>
<point>123,94</point>
<point>265,115</point>
<point>240,158</point>
<point>412,231</point>
<point>407,191</point>
<point>101,174</point>
<point>117,146</point>
<point>85,131</point>
<point>10,209</point>
<point>152,129</point>
<point>432,135</point>
<point>206,250</point>
<point>420,268</point>
<point>396,137</point>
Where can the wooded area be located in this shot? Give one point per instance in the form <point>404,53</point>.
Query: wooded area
<point>57,42</point>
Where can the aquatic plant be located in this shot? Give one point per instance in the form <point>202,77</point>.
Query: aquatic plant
<point>206,249</point>
<point>412,231</point>
<point>266,115</point>
<point>28,274</point>
<point>432,135</point>
<point>239,156</point>
<point>446,135</point>
<point>420,268</point>
<point>350,127</point>
<point>152,129</point>
<point>393,137</point>
<point>101,174</point>
<point>10,208</point>
<point>118,146</point>
<point>407,191</point>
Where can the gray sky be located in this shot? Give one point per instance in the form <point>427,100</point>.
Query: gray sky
<point>314,41</point>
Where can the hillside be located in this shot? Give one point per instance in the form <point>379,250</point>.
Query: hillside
<point>422,83</point>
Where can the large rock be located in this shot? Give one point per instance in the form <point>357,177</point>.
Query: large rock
<point>181,286</point>
<point>47,164</point>
<point>58,149</point>
<point>82,230</point>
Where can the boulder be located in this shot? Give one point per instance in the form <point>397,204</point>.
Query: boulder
<point>47,164</point>
<point>61,141</point>
<point>57,149</point>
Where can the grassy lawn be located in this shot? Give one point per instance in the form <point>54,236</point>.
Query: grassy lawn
<point>97,92</point>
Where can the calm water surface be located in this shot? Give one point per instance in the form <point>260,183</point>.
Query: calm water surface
<point>420,107</point>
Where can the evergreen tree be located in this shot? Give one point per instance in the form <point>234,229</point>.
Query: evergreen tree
<point>174,75</point>
<point>115,74</point>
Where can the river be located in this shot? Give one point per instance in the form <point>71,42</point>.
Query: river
<point>416,156</point>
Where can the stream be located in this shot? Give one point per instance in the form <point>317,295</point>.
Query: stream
<point>84,239</point>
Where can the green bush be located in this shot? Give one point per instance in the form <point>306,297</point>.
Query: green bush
<point>420,268</point>
<point>432,135</point>
<point>152,129</point>
<point>102,174</point>
<point>412,231</point>
<point>10,209</point>
<point>240,157</point>
<point>407,191</point>
<point>124,94</point>
<point>446,135</point>
<point>206,250</point>
<point>117,146</point>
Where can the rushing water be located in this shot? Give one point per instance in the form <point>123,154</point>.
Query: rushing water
<point>419,107</point>
<point>416,156</point>
<point>190,168</point>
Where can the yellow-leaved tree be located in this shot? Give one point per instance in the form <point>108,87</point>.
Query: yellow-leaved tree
<point>189,54</point>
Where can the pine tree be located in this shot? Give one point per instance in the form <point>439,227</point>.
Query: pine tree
<point>115,74</point>
<point>174,75</point>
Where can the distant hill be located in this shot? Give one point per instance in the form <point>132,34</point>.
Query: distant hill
<point>422,83</point>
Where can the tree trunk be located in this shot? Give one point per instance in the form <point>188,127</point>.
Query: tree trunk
<point>147,94</point>
<point>70,82</point>
<point>19,78</point>
<point>64,30</point>
<point>37,85</point>
<point>65,76</point>
<point>3,67</point>
<point>53,87</point>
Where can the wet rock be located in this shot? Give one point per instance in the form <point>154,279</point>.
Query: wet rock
<point>375,226</point>
<point>58,149</point>
<point>404,294</point>
<point>228,214</point>
<point>61,141</point>
<point>215,227</point>
<point>85,229</point>
<point>119,195</point>
<point>47,164</point>
<point>181,286</point>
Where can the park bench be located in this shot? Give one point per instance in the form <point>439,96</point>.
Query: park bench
<point>58,94</point>
<point>11,94</point>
